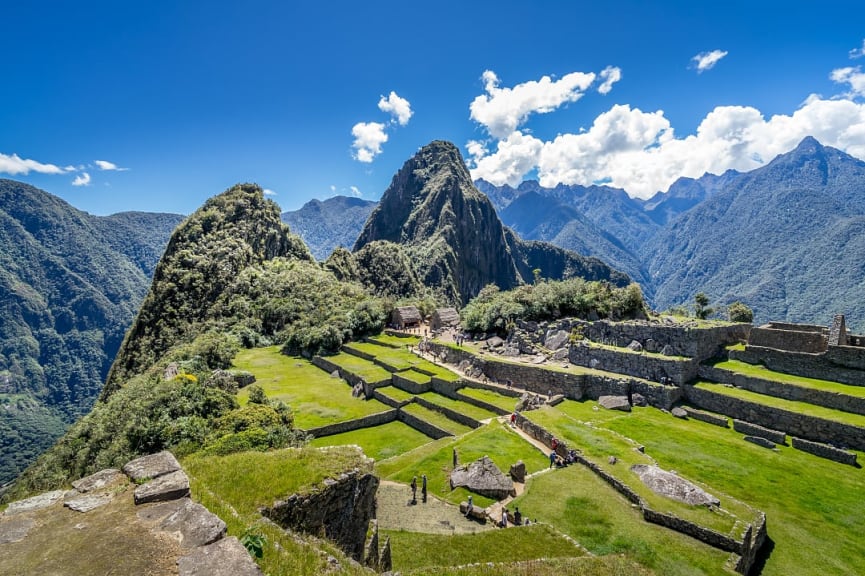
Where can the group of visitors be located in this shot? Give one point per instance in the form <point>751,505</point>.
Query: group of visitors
<point>414,489</point>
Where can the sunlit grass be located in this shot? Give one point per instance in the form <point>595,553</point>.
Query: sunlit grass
<point>763,373</point>
<point>379,442</point>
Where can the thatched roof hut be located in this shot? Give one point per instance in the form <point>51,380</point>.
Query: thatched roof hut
<point>406,317</point>
<point>445,318</point>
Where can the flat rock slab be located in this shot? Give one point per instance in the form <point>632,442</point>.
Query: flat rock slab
<point>680,413</point>
<point>672,486</point>
<point>615,403</point>
<point>168,487</point>
<point>196,525</point>
<point>35,503</point>
<point>88,502</point>
<point>98,480</point>
<point>15,529</point>
<point>152,466</point>
<point>483,477</point>
<point>226,557</point>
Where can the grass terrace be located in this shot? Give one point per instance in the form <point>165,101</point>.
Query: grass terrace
<point>763,373</point>
<point>379,442</point>
<point>505,402</point>
<point>415,376</point>
<point>457,406</point>
<point>390,340</point>
<point>315,397</point>
<point>359,367</point>
<point>584,566</point>
<point>496,440</point>
<point>402,359</point>
<point>782,404</point>
<point>397,394</point>
<point>436,419</point>
<point>234,487</point>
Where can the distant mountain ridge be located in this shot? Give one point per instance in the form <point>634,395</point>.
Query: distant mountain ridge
<point>70,284</point>
<point>327,224</point>
<point>457,242</point>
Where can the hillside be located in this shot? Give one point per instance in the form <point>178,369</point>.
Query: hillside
<point>327,224</point>
<point>453,236</point>
<point>70,284</point>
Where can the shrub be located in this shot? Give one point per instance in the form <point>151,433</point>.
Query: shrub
<point>740,312</point>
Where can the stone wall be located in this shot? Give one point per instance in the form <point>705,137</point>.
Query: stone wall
<point>791,340</point>
<point>749,429</point>
<point>836,400</point>
<point>707,535</point>
<point>356,424</point>
<point>341,508</point>
<point>641,365</point>
<point>801,425</point>
<point>330,367</point>
<point>481,404</point>
<point>825,451</point>
<point>446,387</point>
<point>713,419</point>
<point>453,415</point>
<point>409,386</point>
<point>843,364</point>
<point>422,426</point>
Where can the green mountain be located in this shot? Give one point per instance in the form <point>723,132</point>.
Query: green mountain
<point>327,224</point>
<point>70,284</point>
<point>453,237</point>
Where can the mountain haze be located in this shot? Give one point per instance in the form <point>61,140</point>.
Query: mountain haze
<point>327,224</point>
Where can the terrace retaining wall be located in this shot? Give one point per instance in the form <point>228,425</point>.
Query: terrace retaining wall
<point>422,425</point>
<point>481,404</point>
<point>794,424</point>
<point>641,365</point>
<point>843,364</point>
<point>824,451</point>
<point>749,429</point>
<point>707,418</point>
<point>356,424</point>
<point>352,379</point>
<point>408,385</point>
<point>453,415</point>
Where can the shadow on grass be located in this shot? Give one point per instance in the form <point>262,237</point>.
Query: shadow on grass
<point>762,557</point>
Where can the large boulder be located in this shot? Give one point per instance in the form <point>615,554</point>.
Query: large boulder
<point>167,487</point>
<point>151,466</point>
<point>672,486</point>
<point>615,403</point>
<point>518,471</point>
<point>226,557</point>
<point>556,339</point>
<point>483,477</point>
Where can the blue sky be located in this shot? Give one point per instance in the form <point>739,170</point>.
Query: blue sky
<point>159,105</point>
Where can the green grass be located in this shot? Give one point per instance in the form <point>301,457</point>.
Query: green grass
<point>763,373</point>
<point>395,393</point>
<point>436,419</point>
<point>400,341</point>
<point>504,402</point>
<point>583,506</point>
<point>412,550</point>
<point>379,442</point>
<point>359,367</point>
<point>315,397</point>
<point>599,444</point>
<point>457,406</point>
<point>498,441</point>
<point>584,566</point>
<point>814,507</point>
<point>402,359</point>
<point>415,376</point>
<point>783,404</point>
<point>234,487</point>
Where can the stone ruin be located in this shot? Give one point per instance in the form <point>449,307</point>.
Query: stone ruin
<point>483,477</point>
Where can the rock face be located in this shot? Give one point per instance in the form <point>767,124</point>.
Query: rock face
<point>615,403</point>
<point>342,509</point>
<point>227,557</point>
<point>194,524</point>
<point>35,503</point>
<point>483,477</point>
<point>672,486</point>
<point>518,471</point>
<point>151,466</point>
<point>556,339</point>
<point>167,487</point>
<point>99,480</point>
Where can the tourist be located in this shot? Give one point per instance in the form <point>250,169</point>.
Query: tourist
<point>552,458</point>
<point>554,443</point>
<point>469,507</point>
<point>456,458</point>
<point>504,523</point>
<point>414,490</point>
<point>513,419</point>
<point>528,522</point>
<point>423,488</point>
<point>518,517</point>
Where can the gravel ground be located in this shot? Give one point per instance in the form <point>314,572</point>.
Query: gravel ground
<point>396,512</point>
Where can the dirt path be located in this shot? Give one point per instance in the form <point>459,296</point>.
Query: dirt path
<point>395,512</point>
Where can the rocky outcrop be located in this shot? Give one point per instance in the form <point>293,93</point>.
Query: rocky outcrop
<point>151,466</point>
<point>226,557</point>
<point>483,477</point>
<point>341,509</point>
<point>615,403</point>
<point>672,486</point>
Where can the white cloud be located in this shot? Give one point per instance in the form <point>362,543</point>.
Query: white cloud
<point>639,152</point>
<point>269,192</point>
<point>852,76</point>
<point>707,60</point>
<point>82,179</point>
<point>503,110</point>
<point>355,191</point>
<point>399,108</point>
<point>858,52</point>
<point>368,138</point>
<point>14,164</point>
<point>106,165</point>
<point>610,75</point>
<point>332,188</point>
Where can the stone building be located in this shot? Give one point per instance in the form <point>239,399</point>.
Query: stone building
<point>406,317</point>
<point>445,318</point>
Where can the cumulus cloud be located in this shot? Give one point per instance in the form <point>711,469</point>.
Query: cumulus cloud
<point>639,151</point>
<point>368,138</point>
<point>355,191</point>
<point>502,110</point>
<point>398,108</point>
<point>707,60</point>
<point>82,179</point>
<point>106,165</point>
<point>852,76</point>
<point>14,165</point>
<point>858,52</point>
<point>269,192</point>
<point>610,75</point>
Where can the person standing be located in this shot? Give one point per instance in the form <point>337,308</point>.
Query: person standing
<point>423,488</point>
<point>504,518</point>
<point>469,507</point>
<point>414,490</point>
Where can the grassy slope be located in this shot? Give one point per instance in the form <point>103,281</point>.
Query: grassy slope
<point>385,441</point>
<point>314,396</point>
<point>757,371</point>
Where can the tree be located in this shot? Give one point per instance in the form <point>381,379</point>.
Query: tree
<point>257,395</point>
<point>740,312</point>
<point>701,306</point>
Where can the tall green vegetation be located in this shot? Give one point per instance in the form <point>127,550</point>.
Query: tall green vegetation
<point>740,312</point>
<point>493,310</point>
